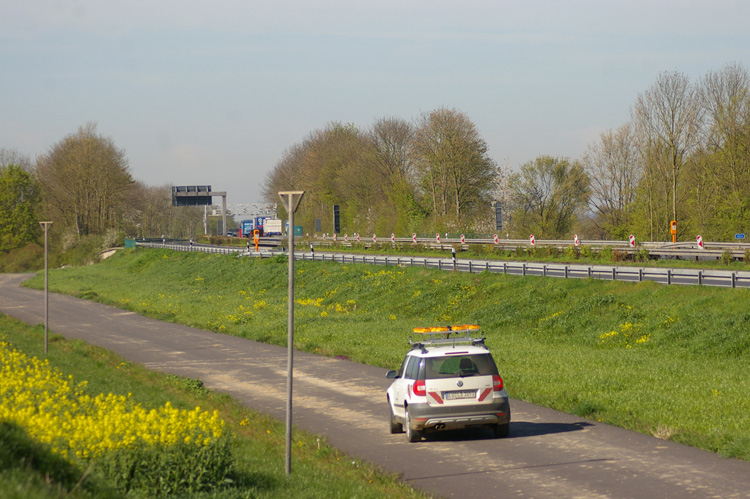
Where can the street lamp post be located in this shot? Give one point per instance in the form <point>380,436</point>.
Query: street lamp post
<point>291,200</point>
<point>46,225</point>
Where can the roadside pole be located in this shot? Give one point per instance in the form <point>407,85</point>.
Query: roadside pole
<point>46,225</point>
<point>291,200</point>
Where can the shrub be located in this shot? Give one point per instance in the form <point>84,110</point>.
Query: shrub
<point>619,255</point>
<point>586,251</point>
<point>30,257</point>
<point>84,251</point>
<point>642,255</point>
<point>477,249</point>
<point>571,253</point>
<point>746,258</point>
<point>727,257</point>
<point>605,254</point>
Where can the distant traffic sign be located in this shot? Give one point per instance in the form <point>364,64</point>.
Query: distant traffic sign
<point>739,236</point>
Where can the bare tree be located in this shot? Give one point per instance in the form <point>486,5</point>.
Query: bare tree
<point>726,156</point>
<point>393,140</point>
<point>668,118</point>
<point>614,170</point>
<point>84,178</point>
<point>13,157</point>
<point>503,194</point>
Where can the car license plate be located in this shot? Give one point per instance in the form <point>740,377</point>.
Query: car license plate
<point>460,394</point>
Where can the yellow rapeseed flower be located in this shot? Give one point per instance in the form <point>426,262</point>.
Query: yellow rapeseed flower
<point>55,411</point>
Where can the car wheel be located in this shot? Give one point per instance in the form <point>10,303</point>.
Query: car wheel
<point>501,430</point>
<point>396,427</point>
<point>411,435</point>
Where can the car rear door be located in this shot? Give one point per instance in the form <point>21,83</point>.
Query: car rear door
<point>458,379</point>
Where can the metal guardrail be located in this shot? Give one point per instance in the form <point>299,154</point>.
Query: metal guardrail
<point>699,277</point>
<point>669,276</point>
<point>666,250</point>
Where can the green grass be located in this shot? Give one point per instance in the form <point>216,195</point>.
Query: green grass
<point>669,361</point>
<point>29,470</point>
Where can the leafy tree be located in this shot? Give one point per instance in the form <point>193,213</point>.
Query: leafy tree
<point>455,172</point>
<point>20,201</point>
<point>381,177</point>
<point>550,192</point>
<point>85,179</point>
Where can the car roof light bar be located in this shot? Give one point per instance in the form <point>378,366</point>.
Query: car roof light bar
<point>450,335</point>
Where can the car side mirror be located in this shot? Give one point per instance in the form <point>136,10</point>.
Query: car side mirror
<point>391,374</point>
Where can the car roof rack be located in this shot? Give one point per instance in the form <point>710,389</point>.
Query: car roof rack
<point>447,335</point>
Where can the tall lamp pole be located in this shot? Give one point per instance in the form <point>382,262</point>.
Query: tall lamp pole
<point>291,201</point>
<point>46,225</point>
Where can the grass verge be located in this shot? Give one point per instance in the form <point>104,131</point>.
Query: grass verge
<point>669,361</point>
<point>29,470</point>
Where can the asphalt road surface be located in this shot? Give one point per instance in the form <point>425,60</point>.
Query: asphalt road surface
<point>548,453</point>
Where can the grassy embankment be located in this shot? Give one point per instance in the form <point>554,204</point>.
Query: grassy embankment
<point>670,361</point>
<point>29,470</point>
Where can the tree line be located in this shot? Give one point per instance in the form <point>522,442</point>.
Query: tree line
<point>84,185</point>
<point>684,155</point>
<point>398,176</point>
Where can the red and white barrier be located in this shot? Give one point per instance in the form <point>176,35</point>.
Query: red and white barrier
<point>632,241</point>
<point>532,240</point>
<point>700,242</point>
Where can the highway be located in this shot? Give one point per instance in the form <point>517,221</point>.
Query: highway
<point>547,455</point>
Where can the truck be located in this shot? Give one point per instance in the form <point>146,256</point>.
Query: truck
<point>248,226</point>
<point>273,227</point>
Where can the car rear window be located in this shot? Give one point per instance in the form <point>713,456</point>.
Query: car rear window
<point>459,365</point>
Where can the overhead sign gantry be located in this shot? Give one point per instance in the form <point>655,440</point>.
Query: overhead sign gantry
<point>200,195</point>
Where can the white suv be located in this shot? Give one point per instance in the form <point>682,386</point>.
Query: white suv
<point>447,381</point>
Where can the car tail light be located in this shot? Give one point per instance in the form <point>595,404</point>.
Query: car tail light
<point>497,383</point>
<point>419,389</point>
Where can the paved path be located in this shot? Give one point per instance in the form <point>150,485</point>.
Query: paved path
<point>548,453</point>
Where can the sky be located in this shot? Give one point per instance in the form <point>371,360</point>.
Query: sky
<point>213,93</point>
